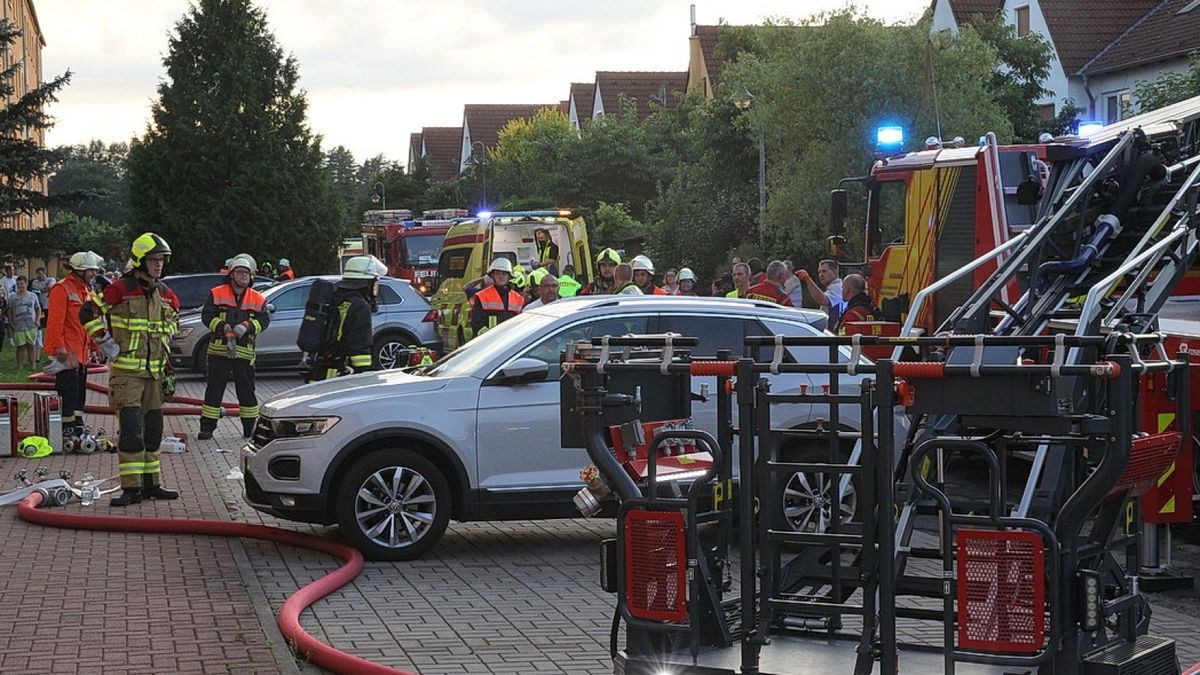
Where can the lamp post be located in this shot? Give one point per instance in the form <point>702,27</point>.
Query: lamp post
<point>743,101</point>
<point>380,195</point>
<point>479,161</point>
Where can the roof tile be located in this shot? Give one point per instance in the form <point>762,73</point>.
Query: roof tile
<point>584,94</point>
<point>442,145</point>
<point>641,87</point>
<point>1161,35</point>
<point>1081,29</point>
<point>486,120</point>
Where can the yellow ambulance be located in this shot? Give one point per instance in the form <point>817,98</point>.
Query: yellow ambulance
<point>470,246</point>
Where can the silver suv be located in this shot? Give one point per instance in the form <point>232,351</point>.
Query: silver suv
<point>393,456</point>
<point>404,318</point>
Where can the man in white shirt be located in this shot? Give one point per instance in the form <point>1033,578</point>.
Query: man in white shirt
<point>830,299</point>
<point>547,292</point>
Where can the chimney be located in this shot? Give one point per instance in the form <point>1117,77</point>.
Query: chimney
<point>693,12</point>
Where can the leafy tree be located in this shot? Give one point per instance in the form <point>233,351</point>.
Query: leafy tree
<point>73,232</point>
<point>343,172</point>
<point>228,162</point>
<point>98,168</point>
<point>1017,84</point>
<point>612,224</point>
<point>24,163</point>
<point>1067,119</point>
<point>1168,87</point>
<point>530,158</point>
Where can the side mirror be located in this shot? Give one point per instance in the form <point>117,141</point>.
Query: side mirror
<point>1029,192</point>
<point>838,206</point>
<point>270,308</point>
<point>524,370</point>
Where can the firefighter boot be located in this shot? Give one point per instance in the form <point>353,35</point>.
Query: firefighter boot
<point>248,426</point>
<point>128,496</point>
<point>152,491</point>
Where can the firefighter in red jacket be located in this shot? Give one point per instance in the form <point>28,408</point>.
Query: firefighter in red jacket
<point>606,261</point>
<point>643,276</point>
<point>285,271</point>
<point>235,314</point>
<point>496,303</point>
<point>132,323</point>
<point>66,341</point>
<point>771,289</point>
<point>858,306</point>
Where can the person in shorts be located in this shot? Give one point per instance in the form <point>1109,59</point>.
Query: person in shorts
<point>25,316</point>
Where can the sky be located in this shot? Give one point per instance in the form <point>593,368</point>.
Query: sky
<point>377,70</point>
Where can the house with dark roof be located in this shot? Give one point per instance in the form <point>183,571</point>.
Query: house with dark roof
<point>579,105</point>
<point>440,148</point>
<point>482,124</point>
<point>414,150</point>
<point>704,67</point>
<point>1102,48</point>
<point>642,87</point>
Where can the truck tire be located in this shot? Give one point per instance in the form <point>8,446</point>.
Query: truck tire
<point>392,504</point>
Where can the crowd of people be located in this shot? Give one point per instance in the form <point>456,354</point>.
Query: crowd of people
<point>507,289</point>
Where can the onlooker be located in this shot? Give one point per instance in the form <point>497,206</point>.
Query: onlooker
<point>24,315</point>
<point>687,282</point>
<point>623,276</point>
<point>859,306</point>
<point>547,292</point>
<point>741,281</point>
<point>830,299</point>
<point>722,285</point>
<point>671,282</point>
<point>757,271</point>
<point>772,289</point>
<point>41,286</point>
<point>793,286</point>
<point>10,280</point>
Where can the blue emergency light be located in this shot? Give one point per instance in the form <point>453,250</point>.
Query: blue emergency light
<point>889,137</point>
<point>1089,127</point>
<point>484,214</point>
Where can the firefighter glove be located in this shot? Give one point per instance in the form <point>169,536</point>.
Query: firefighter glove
<point>240,329</point>
<point>109,347</point>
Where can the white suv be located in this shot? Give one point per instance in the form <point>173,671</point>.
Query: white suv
<point>393,456</point>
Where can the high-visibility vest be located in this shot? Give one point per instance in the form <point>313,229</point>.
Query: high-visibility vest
<point>493,305</point>
<point>252,306</point>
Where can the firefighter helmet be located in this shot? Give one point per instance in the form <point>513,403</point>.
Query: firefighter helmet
<point>35,447</point>
<point>686,274</point>
<point>518,278</point>
<point>85,260</point>
<point>148,244</point>
<point>608,256</point>
<point>643,263</point>
<point>242,260</point>
<point>283,262</point>
<point>364,267</point>
<point>501,265</point>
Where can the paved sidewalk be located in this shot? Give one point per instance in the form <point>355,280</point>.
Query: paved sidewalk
<point>513,597</point>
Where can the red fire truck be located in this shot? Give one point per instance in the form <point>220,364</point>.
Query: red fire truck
<point>409,246</point>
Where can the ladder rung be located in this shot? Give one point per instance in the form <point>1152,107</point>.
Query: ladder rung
<point>815,467</point>
<point>814,433</point>
<point>815,607</point>
<point>826,538</point>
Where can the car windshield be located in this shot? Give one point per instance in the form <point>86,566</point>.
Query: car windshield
<point>467,359</point>
<point>422,249</point>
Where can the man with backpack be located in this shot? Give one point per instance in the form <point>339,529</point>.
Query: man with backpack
<point>337,330</point>
<point>235,314</point>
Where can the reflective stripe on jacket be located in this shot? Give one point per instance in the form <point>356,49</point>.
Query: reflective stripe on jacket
<point>141,316</point>
<point>224,306</point>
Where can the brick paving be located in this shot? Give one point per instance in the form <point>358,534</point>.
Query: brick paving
<point>512,597</point>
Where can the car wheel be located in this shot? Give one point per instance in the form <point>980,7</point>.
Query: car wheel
<point>393,505</point>
<point>200,356</point>
<point>808,497</point>
<point>391,351</point>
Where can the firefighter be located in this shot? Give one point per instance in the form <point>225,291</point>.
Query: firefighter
<point>132,323</point>
<point>285,271</point>
<point>496,303</point>
<point>858,307</point>
<point>606,261</point>
<point>643,276</point>
<point>687,282</point>
<point>623,277</point>
<point>547,250</point>
<point>66,342</point>
<point>235,315</point>
<point>772,289</point>
<point>349,339</point>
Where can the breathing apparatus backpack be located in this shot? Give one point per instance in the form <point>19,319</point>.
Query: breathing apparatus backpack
<point>314,329</point>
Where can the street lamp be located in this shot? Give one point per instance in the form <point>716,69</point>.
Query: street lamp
<point>379,195</point>
<point>743,101</point>
<point>479,161</point>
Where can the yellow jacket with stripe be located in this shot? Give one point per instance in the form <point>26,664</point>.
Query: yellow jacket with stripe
<point>140,314</point>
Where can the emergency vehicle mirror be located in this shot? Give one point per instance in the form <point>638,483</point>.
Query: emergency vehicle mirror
<point>270,308</point>
<point>1029,192</point>
<point>838,202</point>
<point>523,370</point>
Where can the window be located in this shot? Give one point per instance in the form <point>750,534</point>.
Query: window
<point>1046,112</point>
<point>885,215</point>
<point>388,295</point>
<point>453,264</point>
<point>714,333</point>
<point>1022,21</point>
<point>551,348</point>
<point>292,298</point>
<point>422,249</point>
<point>1117,106</point>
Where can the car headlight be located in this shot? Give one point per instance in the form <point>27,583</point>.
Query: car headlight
<point>182,333</point>
<point>295,427</point>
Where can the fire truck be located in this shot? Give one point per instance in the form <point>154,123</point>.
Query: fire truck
<point>1059,353</point>
<point>409,246</point>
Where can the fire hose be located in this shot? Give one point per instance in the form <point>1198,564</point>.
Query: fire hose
<point>306,645</point>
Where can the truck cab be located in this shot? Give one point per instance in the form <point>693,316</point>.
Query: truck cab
<point>471,245</point>
<point>409,246</point>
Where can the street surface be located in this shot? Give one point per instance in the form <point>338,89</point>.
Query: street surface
<point>513,597</point>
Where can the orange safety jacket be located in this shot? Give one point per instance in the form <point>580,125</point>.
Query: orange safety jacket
<point>223,306</point>
<point>63,327</point>
<point>488,309</point>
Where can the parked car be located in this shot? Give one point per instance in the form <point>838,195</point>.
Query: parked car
<point>393,456</point>
<point>193,289</point>
<point>404,318</point>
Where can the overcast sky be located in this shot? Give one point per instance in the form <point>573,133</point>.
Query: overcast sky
<point>377,70</point>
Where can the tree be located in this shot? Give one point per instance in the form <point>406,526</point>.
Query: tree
<point>100,169</point>
<point>343,172</point>
<point>530,159</point>
<point>1169,87</point>
<point>228,162</point>
<point>1017,84</point>
<point>24,163</point>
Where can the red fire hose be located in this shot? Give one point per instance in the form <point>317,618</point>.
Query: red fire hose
<point>306,645</point>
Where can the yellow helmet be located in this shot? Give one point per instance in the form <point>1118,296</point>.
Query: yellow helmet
<point>148,244</point>
<point>518,277</point>
<point>608,255</point>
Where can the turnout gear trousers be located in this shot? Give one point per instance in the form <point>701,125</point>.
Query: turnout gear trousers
<point>225,305</point>
<point>138,402</point>
<point>221,369</point>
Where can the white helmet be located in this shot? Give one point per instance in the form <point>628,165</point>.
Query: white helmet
<point>242,260</point>
<point>283,262</point>
<point>85,260</point>
<point>1045,137</point>
<point>364,267</point>
<point>501,265</point>
<point>643,263</point>
<point>686,274</point>
<point>933,142</point>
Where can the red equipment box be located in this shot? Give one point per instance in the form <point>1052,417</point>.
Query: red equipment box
<point>8,425</point>
<point>1169,501</point>
<point>875,329</point>
<point>677,462</point>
